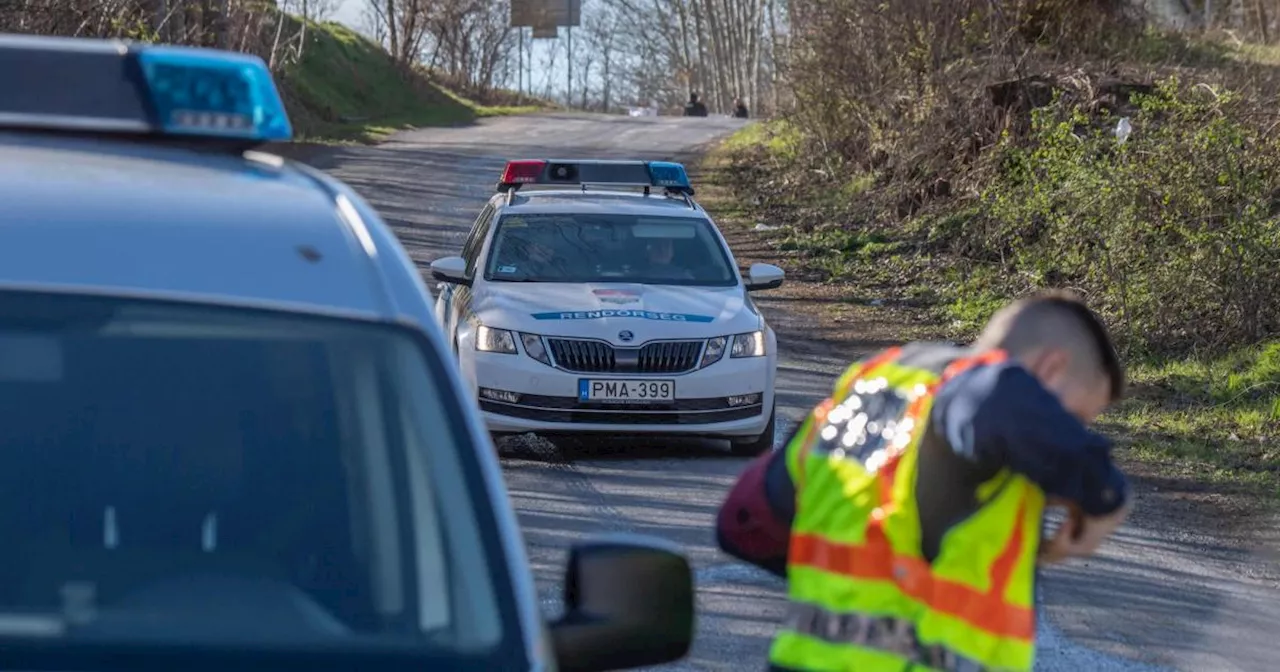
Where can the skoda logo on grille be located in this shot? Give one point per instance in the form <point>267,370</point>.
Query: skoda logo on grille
<point>626,336</point>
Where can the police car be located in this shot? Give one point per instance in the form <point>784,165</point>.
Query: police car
<point>598,296</point>
<point>232,435</point>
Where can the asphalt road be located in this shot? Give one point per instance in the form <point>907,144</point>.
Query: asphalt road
<point>1159,593</point>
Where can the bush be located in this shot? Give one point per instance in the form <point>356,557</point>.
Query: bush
<point>902,88</point>
<point>974,141</point>
<point>1172,233</point>
<point>957,154</point>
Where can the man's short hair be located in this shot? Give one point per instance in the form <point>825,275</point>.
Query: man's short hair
<point>1062,319</point>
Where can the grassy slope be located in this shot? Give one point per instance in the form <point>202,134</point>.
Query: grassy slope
<point>1210,421</point>
<point>346,87</point>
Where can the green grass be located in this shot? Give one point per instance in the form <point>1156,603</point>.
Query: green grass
<point>347,88</point>
<point>1217,420</point>
<point>493,110</point>
<point>1212,421</point>
<point>776,136</point>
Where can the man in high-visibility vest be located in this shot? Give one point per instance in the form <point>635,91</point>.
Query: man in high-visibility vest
<point>906,511</point>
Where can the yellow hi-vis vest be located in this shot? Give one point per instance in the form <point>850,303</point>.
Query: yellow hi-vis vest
<point>862,597</point>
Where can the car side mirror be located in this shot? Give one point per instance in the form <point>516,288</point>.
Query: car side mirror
<point>764,276</point>
<point>629,602</point>
<point>452,270</point>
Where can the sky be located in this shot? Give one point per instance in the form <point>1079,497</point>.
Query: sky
<point>350,12</point>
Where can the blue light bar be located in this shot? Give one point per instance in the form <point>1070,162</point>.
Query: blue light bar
<point>669,175</point>
<point>205,92</point>
<point>87,85</point>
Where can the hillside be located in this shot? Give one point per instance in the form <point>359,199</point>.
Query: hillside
<point>944,166</point>
<point>346,87</point>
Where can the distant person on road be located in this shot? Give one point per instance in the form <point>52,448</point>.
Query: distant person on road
<point>694,108</point>
<point>906,511</point>
<point>739,108</point>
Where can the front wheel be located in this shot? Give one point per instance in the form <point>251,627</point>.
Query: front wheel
<point>760,444</point>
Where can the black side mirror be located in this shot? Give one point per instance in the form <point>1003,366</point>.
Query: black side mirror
<point>629,602</point>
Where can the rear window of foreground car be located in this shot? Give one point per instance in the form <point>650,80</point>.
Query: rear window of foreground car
<point>225,477</point>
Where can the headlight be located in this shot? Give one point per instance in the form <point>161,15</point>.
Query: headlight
<point>489,339</point>
<point>748,345</point>
<point>534,347</point>
<point>714,351</point>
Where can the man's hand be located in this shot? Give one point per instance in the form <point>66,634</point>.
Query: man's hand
<point>1080,536</point>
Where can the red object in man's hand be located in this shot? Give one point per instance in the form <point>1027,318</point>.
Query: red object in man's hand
<point>747,526</point>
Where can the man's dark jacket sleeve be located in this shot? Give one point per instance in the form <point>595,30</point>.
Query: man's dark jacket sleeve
<point>1000,415</point>
<point>995,415</point>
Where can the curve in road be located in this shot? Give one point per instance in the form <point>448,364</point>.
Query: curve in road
<point>1156,593</point>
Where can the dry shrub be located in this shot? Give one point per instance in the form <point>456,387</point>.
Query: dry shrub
<point>964,150</point>
<point>901,88</point>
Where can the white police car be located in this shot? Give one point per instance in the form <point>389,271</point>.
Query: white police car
<point>232,435</point>
<point>577,310</point>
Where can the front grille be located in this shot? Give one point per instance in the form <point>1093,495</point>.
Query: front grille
<point>669,356</point>
<point>586,356</point>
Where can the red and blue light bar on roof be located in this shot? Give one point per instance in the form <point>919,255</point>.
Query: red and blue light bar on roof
<point>130,88</point>
<point>662,174</point>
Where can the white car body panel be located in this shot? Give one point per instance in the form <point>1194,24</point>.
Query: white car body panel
<point>101,217</point>
<point>603,310</point>
<point>610,312</point>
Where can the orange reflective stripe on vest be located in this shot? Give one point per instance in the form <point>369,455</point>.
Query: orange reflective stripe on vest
<point>845,385</point>
<point>875,559</point>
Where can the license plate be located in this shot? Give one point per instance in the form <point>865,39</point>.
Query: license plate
<point>626,391</point>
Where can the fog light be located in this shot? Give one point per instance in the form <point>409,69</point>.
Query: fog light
<point>500,395</point>
<point>744,399</point>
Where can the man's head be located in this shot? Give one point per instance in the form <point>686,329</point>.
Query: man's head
<point>693,97</point>
<point>1064,345</point>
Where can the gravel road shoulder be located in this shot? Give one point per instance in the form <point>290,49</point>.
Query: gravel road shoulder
<point>1188,585</point>
<point>1192,583</point>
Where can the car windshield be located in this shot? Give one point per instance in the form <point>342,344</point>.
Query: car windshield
<point>608,248</point>
<point>216,477</point>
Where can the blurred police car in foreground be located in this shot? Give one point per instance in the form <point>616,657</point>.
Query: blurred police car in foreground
<point>231,432</point>
<point>609,311</point>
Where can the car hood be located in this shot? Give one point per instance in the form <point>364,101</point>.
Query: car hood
<point>605,310</point>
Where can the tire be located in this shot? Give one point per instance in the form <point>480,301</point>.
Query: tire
<point>760,444</point>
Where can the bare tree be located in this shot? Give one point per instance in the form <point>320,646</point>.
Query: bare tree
<point>549,60</point>
<point>602,36</point>
<point>244,25</point>
<point>722,49</point>
<point>373,25</point>
<point>405,23</point>
<point>470,42</point>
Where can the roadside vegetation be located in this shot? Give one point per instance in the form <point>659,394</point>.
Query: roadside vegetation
<point>337,84</point>
<point>945,156</point>
<point>344,86</point>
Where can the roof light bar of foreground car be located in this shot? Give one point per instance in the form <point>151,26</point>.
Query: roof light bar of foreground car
<point>84,85</point>
<point>669,176</point>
